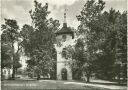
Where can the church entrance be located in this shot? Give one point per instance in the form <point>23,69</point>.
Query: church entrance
<point>64,74</point>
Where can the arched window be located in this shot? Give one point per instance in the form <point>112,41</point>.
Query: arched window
<point>64,52</point>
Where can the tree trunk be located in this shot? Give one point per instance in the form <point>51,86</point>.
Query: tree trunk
<point>2,76</point>
<point>88,78</point>
<point>88,73</point>
<point>38,76</point>
<point>13,73</point>
<point>119,81</point>
<point>13,68</point>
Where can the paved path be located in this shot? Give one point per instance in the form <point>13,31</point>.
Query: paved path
<point>53,84</point>
<point>107,86</point>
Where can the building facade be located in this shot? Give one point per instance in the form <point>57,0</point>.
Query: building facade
<point>6,73</point>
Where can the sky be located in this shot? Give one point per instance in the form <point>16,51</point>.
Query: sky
<point>19,9</point>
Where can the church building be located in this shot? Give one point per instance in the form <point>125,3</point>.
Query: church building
<point>64,38</point>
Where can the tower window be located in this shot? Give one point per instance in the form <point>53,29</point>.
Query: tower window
<point>64,53</point>
<point>64,37</point>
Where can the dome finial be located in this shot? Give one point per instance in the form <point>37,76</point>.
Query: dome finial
<point>65,12</point>
<point>65,16</point>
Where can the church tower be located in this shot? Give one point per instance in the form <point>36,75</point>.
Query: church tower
<point>64,37</point>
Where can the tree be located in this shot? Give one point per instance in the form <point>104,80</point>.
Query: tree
<point>5,58</point>
<point>9,37</point>
<point>104,34</point>
<point>113,29</point>
<point>88,16</point>
<point>80,59</point>
<point>121,55</point>
<point>38,41</point>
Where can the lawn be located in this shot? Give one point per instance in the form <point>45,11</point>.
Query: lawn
<point>45,84</point>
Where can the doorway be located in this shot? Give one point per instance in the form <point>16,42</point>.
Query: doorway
<point>64,74</point>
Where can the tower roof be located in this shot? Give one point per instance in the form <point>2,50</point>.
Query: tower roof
<point>65,29</point>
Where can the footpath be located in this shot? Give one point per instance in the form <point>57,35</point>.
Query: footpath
<point>101,84</point>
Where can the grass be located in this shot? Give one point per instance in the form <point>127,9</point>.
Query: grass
<point>44,85</point>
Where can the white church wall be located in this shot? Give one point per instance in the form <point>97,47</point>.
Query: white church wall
<point>60,65</point>
<point>61,61</point>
